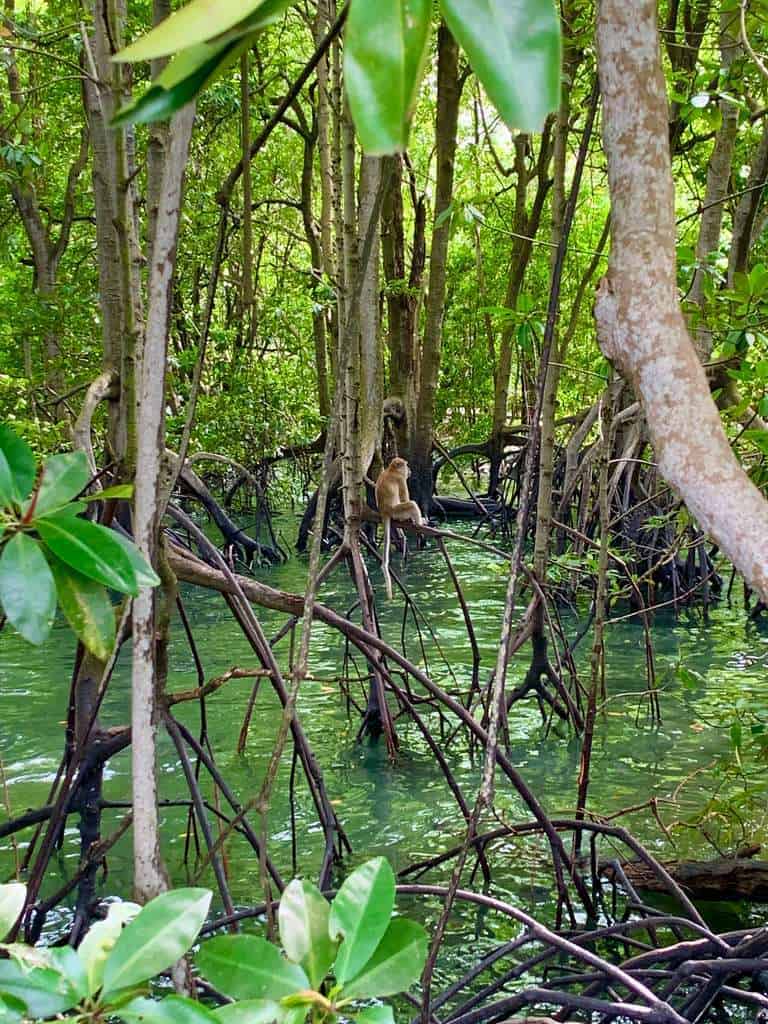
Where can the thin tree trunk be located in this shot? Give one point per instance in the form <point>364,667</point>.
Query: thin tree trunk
<point>449,85</point>
<point>718,181</point>
<point>149,873</point>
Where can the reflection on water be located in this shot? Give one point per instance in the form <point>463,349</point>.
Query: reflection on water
<point>405,810</point>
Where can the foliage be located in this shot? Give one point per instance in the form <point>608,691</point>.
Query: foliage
<point>368,953</point>
<point>49,553</point>
<point>514,49</point>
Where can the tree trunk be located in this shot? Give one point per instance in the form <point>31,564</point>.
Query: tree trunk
<point>149,874</point>
<point>449,86</point>
<point>640,325</point>
<point>718,182</point>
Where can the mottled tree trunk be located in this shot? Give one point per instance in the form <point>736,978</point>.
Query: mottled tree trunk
<point>640,324</point>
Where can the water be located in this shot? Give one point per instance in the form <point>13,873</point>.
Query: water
<point>711,794</point>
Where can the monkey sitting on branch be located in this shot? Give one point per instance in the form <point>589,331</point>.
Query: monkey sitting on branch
<point>394,502</point>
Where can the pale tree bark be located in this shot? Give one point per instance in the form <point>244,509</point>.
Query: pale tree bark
<point>718,181</point>
<point>640,325</point>
<point>149,875</point>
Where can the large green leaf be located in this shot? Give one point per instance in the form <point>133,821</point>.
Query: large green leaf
<point>170,1010</point>
<point>100,939</point>
<point>396,964</point>
<point>12,896</point>
<point>20,460</point>
<point>157,937</point>
<point>385,49</point>
<point>63,477</point>
<point>249,1011</point>
<point>360,913</point>
<point>198,22</point>
<point>27,589</point>
<point>44,990</point>
<point>87,607</point>
<point>514,49</point>
<point>90,549</point>
<point>249,967</point>
<point>303,918</point>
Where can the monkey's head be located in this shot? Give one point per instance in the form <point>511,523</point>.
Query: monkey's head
<point>400,466</point>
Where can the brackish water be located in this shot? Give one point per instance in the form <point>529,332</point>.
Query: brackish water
<point>702,758</point>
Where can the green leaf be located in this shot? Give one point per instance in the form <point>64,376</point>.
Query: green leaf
<point>198,22</point>
<point>375,1015</point>
<point>249,967</point>
<point>87,608</point>
<point>179,82</point>
<point>7,484</point>
<point>100,939</point>
<point>65,960</point>
<point>20,460</point>
<point>90,549</point>
<point>303,917</point>
<point>360,914</point>
<point>12,1009</point>
<point>145,574</point>
<point>158,936</point>
<point>44,990</point>
<point>170,1010</point>
<point>249,1011</point>
<point>63,477</point>
<point>12,896</point>
<point>197,66</point>
<point>514,49</point>
<point>385,50</point>
<point>759,438</point>
<point>396,964</point>
<point>27,589</point>
<point>118,491</point>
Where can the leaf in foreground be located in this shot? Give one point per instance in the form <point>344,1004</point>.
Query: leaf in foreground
<point>162,932</point>
<point>87,608</point>
<point>396,964</point>
<point>27,589</point>
<point>361,913</point>
<point>514,49</point>
<point>249,967</point>
<point>90,549</point>
<point>303,917</point>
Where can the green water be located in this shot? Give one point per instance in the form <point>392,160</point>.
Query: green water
<point>405,810</point>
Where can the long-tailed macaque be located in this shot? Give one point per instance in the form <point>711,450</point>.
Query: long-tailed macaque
<point>394,502</point>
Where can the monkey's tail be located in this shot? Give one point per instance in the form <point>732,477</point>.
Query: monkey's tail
<point>385,560</point>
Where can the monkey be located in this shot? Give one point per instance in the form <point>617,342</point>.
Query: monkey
<point>394,502</point>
